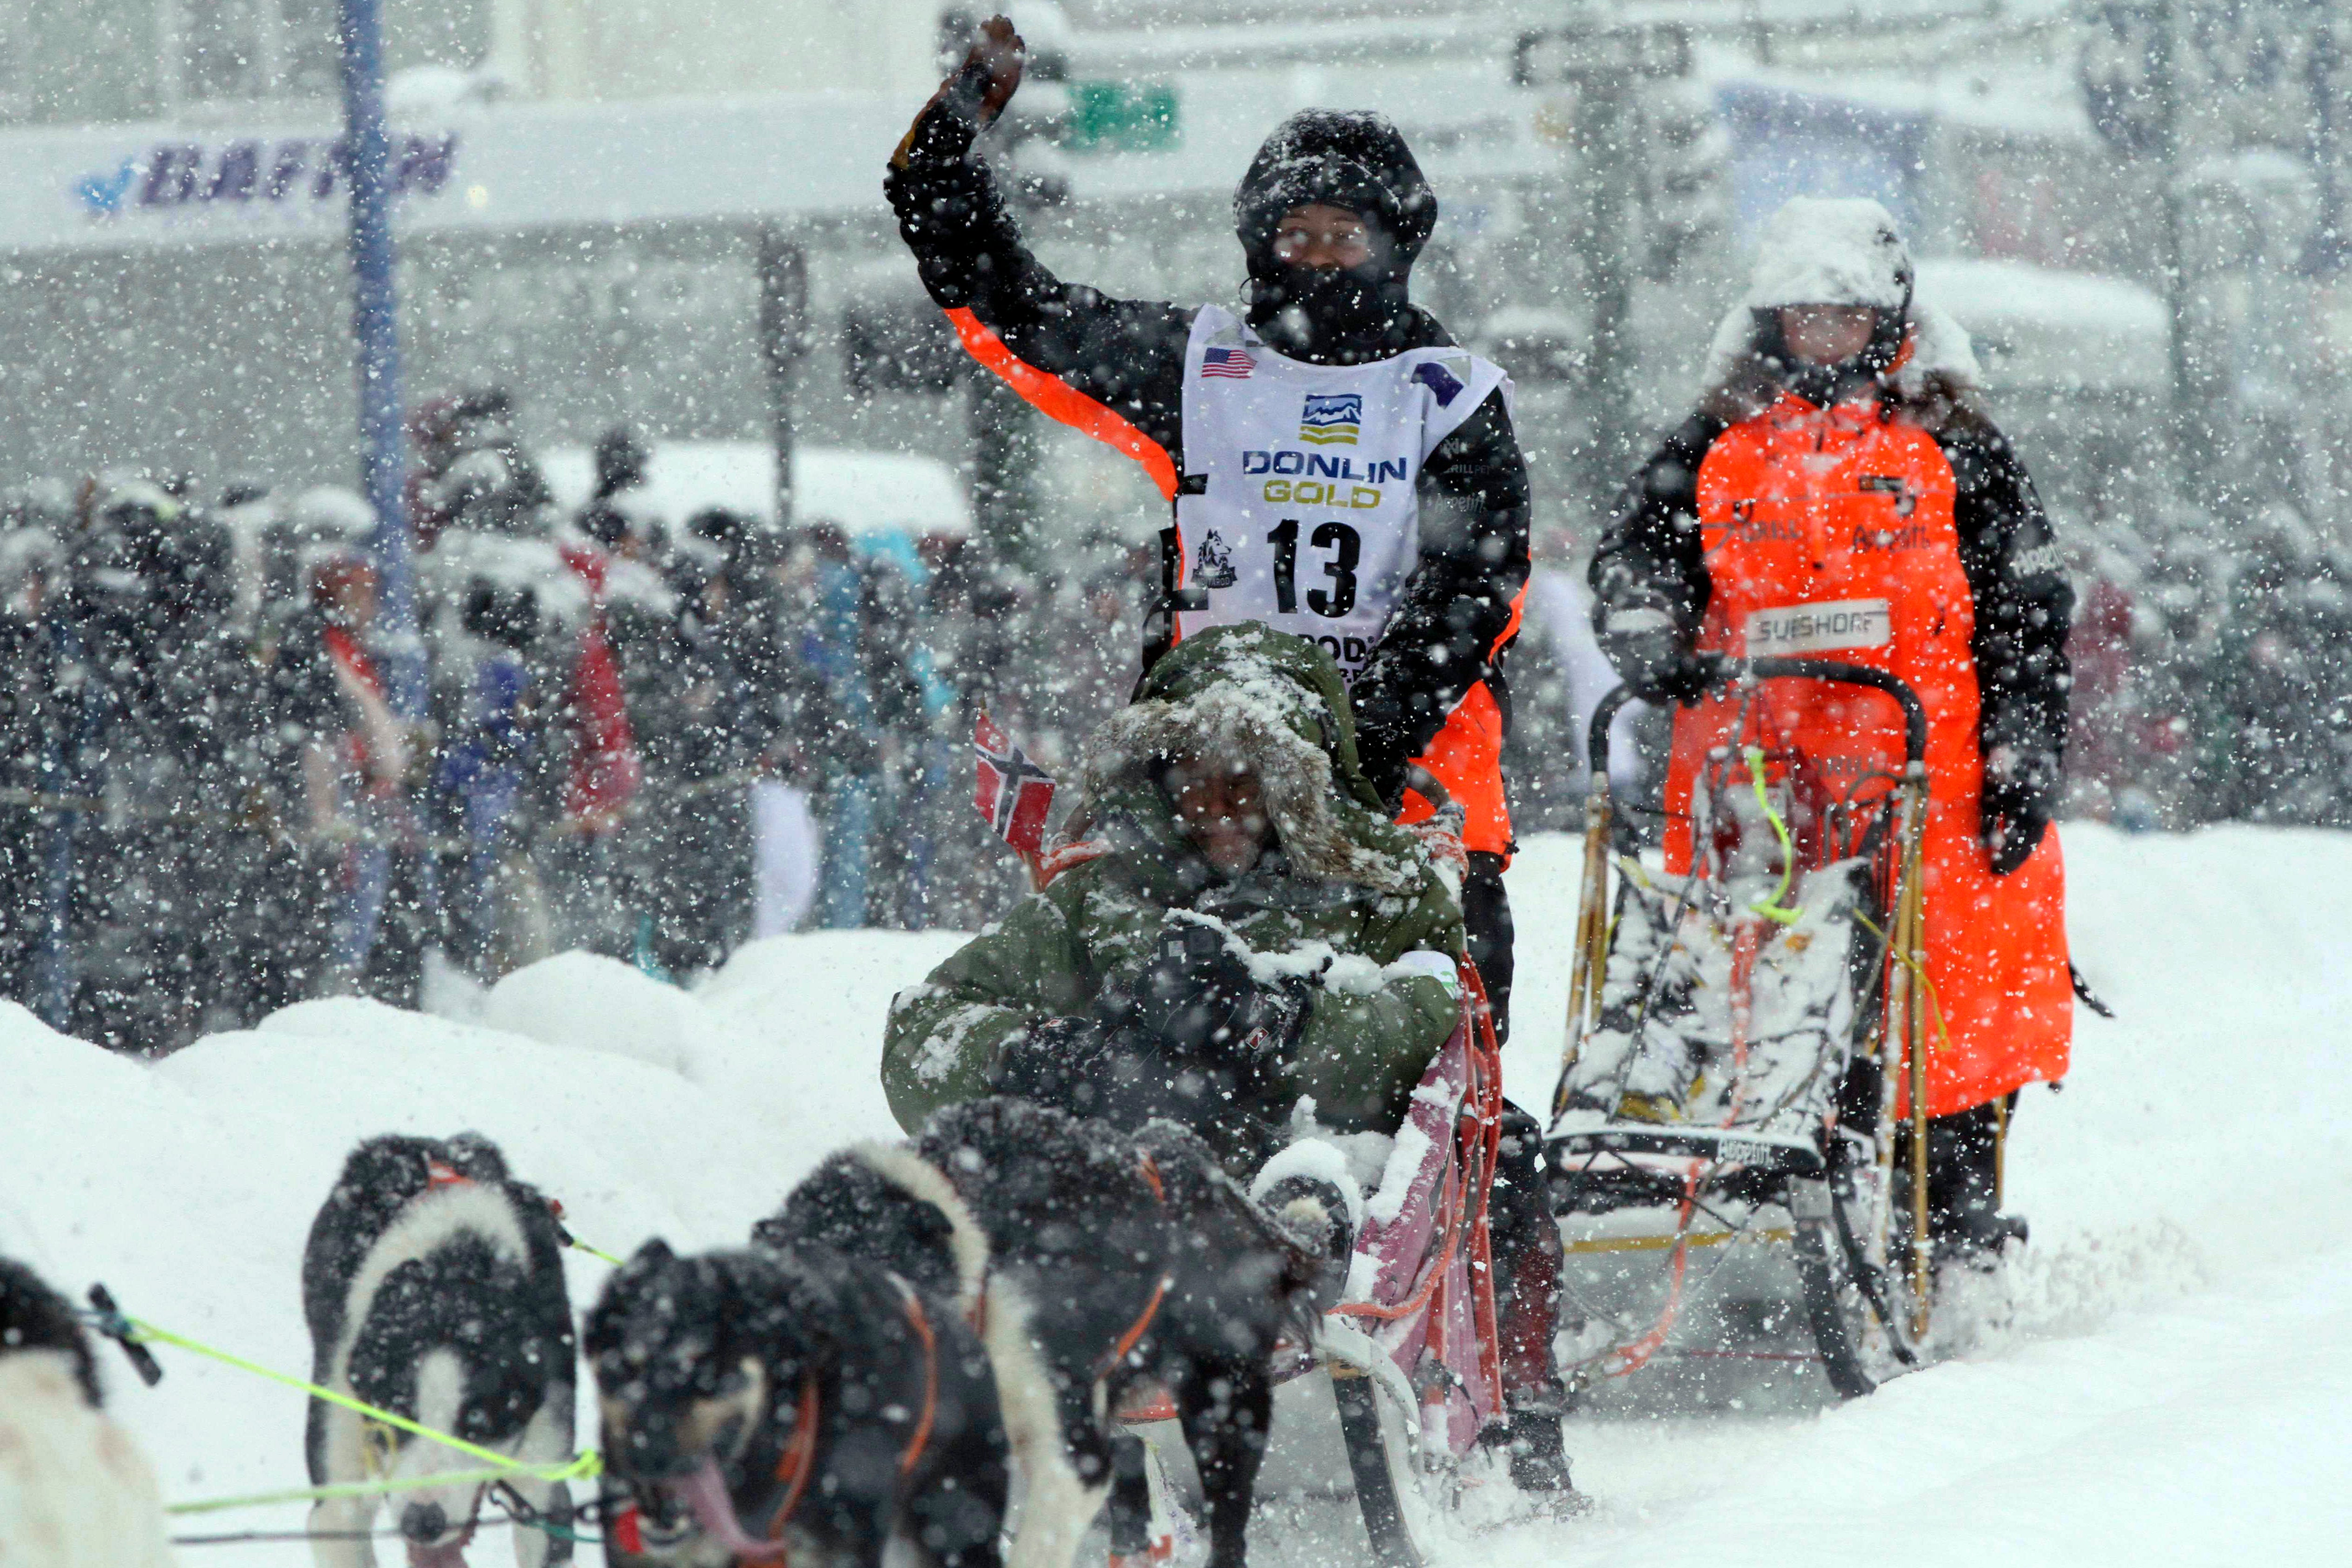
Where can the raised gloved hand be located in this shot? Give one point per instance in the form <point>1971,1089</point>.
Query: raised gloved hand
<point>1652,659</point>
<point>975,92</point>
<point>2021,792</point>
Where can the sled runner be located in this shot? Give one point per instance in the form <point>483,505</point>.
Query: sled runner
<point>1724,1129</point>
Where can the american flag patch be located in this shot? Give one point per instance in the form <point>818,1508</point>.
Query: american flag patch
<point>1234,362</point>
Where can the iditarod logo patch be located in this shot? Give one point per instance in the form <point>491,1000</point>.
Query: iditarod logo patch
<point>1214,566</point>
<point>1331,418</point>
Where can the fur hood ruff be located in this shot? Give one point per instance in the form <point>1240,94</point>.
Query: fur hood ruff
<point>1937,375</point>
<point>1245,695</point>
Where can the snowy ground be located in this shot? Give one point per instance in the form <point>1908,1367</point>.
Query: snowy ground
<point>2179,1391</point>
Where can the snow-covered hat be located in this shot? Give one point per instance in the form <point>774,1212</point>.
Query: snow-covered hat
<point>132,492</point>
<point>332,514</point>
<point>1349,158</point>
<point>1825,250</point>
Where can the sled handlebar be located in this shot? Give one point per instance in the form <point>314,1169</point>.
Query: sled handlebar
<point>1915,713</point>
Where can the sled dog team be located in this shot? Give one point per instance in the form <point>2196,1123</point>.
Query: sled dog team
<point>916,1322</point>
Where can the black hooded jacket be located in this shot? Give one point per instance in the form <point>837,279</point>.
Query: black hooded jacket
<point>1447,631</point>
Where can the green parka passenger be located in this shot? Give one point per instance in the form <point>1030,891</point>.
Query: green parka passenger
<point>1254,947</point>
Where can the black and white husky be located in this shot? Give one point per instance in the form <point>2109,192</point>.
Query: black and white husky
<point>434,1286</point>
<point>1099,1264</point>
<point>75,1492</point>
<point>764,1406</point>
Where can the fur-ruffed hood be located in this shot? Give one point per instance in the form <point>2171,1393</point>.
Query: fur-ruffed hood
<point>1249,695</point>
<point>1935,376</point>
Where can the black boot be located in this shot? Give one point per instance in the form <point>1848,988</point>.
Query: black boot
<point>1539,1456</point>
<point>1964,1219</point>
<point>1970,1237</point>
<point>1527,1309</point>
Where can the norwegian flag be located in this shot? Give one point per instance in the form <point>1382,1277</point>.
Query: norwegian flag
<point>1014,793</point>
<point>1234,362</point>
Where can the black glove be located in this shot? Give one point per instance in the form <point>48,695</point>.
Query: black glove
<point>2020,791</point>
<point>1188,1036</point>
<point>1186,993</point>
<point>1652,659</point>
<point>1196,998</point>
<point>1062,1062</point>
<point>1384,747</point>
<point>1268,1024</point>
<point>971,97</point>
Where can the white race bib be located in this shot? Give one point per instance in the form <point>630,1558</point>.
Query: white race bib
<point>1820,629</point>
<point>1302,508</point>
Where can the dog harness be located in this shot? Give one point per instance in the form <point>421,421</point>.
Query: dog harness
<point>797,1463</point>
<point>1150,1170</point>
<point>377,1438</point>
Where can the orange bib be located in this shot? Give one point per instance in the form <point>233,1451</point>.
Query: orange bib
<point>1829,534</point>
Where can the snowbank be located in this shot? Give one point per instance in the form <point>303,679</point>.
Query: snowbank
<point>189,1187</point>
<point>2175,1397</point>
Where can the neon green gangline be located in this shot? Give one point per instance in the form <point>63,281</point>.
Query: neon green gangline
<point>1771,907</point>
<point>586,1466</point>
<point>344,1489</point>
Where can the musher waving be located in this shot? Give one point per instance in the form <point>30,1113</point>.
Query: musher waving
<point>1339,468</point>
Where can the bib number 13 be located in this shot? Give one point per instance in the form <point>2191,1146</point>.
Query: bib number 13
<point>1347,547</point>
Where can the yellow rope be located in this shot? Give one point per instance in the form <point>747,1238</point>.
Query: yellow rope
<point>1663,1243</point>
<point>1771,907</point>
<point>586,1466</point>
<point>1919,970</point>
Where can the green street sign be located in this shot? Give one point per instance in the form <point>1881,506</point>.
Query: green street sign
<point>1121,117</point>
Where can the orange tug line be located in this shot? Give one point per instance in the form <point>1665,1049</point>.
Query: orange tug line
<point>1150,1170</point>
<point>796,1463</point>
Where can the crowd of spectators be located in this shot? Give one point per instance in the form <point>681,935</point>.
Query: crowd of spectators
<point>651,738</point>
<point>656,738</point>
<point>2214,673</point>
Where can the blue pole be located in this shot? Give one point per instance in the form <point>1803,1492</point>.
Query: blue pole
<point>66,770</point>
<point>375,325</point>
